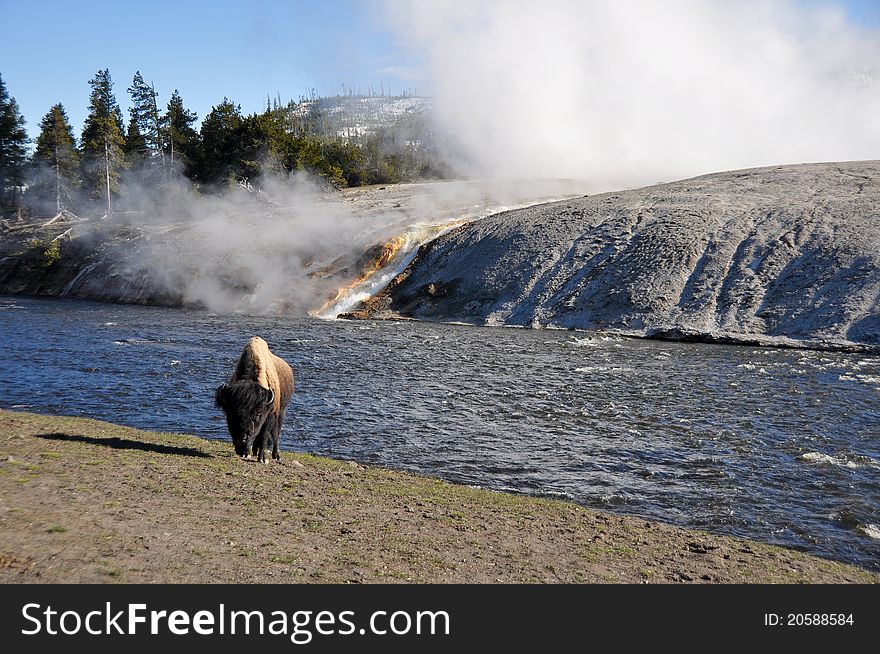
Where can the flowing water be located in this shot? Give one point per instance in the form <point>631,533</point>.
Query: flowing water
<point>778,445</point>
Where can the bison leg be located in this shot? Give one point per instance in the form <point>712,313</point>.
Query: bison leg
<point>261,452</point>
<point>276,440</point>
<point>261,443</point>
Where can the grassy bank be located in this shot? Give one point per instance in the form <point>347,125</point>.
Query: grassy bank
<point>88,501</point>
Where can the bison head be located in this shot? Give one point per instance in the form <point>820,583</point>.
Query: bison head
<point>246,405</point>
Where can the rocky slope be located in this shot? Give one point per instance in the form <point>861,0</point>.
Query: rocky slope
<point>786,255</point>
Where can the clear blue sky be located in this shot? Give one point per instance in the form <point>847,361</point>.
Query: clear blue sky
<point>208,49</point>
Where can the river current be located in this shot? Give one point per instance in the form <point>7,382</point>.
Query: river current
<point>781,446</point>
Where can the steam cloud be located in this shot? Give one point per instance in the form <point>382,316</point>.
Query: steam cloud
<point>286,248</point>
<point>632,92</point>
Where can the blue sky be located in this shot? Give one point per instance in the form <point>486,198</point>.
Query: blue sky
<point>243,49</point>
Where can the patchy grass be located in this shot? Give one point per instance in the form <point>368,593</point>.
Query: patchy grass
<point>284,560</point>
<point>140,506</point>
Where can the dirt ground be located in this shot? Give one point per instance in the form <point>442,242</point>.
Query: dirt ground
<point>88,501</point>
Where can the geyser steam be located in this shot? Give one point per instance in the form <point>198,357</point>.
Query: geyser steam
<point>292,247</point>
<point>633,92</point>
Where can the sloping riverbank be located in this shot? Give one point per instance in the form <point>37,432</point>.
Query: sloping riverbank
<point>783,256</point>
<point>88,501</point>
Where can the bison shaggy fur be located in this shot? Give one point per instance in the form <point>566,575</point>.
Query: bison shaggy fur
<point>255,399</point>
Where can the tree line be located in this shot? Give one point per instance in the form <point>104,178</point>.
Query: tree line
<point>112,160</point>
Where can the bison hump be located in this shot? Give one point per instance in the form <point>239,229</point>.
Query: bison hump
<point>258,364</point>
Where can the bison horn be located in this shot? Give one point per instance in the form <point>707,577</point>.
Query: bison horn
<point>271,397</point>
<point>218,397</point>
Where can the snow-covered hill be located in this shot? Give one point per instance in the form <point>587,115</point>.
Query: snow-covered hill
<point>355,116</point>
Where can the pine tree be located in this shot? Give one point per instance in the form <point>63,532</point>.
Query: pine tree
<point>102,140</point>
<point>13,150</point>
<point>180,138</point>
<point>135,145</point>
<point>56,152</point>
<point>220,146</point>
<point>145,114</point>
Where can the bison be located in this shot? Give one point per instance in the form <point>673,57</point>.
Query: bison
<point>255,399</point>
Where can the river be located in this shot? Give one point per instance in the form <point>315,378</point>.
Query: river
<point>782,446</point>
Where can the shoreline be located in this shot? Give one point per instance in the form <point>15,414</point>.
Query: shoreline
<point>666,336</point>
<point>662,335</point>
<point>85,501</point>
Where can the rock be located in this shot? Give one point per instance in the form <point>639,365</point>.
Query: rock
<point>296,464</point>
<point>785,255</point>
<point>438,290</point>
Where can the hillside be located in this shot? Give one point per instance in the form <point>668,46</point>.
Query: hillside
<point>360,115</point>
<point>785,255</point>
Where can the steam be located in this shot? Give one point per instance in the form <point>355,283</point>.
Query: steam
<point>626,93</point>
<point>287,248</point>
